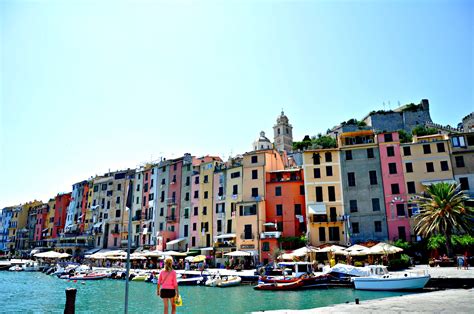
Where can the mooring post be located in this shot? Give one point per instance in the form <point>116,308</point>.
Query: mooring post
<point>357,301</point>
<point>70,307</point>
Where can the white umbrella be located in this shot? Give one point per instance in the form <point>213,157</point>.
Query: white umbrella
<point>52,254</point>
<point>304,250</point>
<point>357,250</point>
<point>238,253</point>
<point>152,253</point>
<point>384,248</point>
<point>174,253</point>
<point>286,256</point>
<point>331,248</point>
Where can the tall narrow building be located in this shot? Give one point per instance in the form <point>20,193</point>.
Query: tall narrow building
<point>283,134</point>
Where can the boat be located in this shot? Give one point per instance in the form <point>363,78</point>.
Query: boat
<point>190,281</point>
<point>140,277</point>
<point>212,280</point>
<point>5,265</point>
<point>311,281</point>
<point>380,279</point>
<point>31,266</point>
<point>229,281</point>
<point>89,276</point>
<point>280,286</point>
<point>15,268</point>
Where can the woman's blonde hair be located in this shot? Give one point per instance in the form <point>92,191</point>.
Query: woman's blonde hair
<point>169,263</point>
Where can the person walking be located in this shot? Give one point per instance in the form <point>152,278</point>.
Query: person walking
<point>167,287</point>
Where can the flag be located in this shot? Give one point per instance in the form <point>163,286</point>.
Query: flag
<point>128,204</point>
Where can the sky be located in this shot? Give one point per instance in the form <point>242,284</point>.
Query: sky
<point>88,86</point>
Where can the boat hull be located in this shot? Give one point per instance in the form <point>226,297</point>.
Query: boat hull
<point>280,286</point>
<point>391,283</point>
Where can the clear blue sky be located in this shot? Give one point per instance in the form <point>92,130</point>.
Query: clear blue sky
<point>92,85</point>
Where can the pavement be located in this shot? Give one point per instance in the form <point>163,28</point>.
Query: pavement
<point>444,272</point>
<point>447,301</point>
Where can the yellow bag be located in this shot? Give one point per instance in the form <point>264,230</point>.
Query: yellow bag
<point>178,301</point>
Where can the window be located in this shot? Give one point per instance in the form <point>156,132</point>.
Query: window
<point>444,165</point>
<point>319,194</point>
<point>235,174</point>
<point>278,191</point>
<point>96,188</point>
<point>193,241</point>
<point>390,151</point>
<point>332,214</point>
<point>248,232</point>
<point>163,181</point>
<point>117,213</point>
<point>151,197</point>
<point>370,153</point>
<point>429,167</point>
<point>266,246</point>
<point>375,205</point>
<point>329,171</point>
<point>409,167</point>
<point>373,177</point>
<point>235,189</point>
<point>254,174</point>
<point>254,159</point>
<point>334,234</point>
<point>427,149</point>
<point>458,141</point>
<point>388,137</point>
<point>254,192</point>
<point>378,226</point>
<point>348,155</point>
<point>353,206</point>
<point>440,147</point>
<point>185,230</point>
<point>322,234</point>
<point>162,211</point>
<point>204,210</point>
<point>186,197</point>
<point>196,180</point>
<point>411,187</point>
<point>119,187</point>
<point>317,173</point>
<point>138,200</point>
<point>196,194</point>
<point>392,168</point>
<point>301,189</point>
<point>247,210</point>
<point>395,188</point>
<point>196,211</point>
<point>108,205</point>
<point>401,210</point>
<point>161,226</point>
<point>328,156</point>
<point>406,151</point>
<point>138,187</point>
<point>206,194</point>
<point>297,209</point>
<point>355,227</point>
<point>464,183</point>
<point>219,225</point>
<point>104,187</point>
<point>316,159</point>
<point>459,161</point>
<point>279,210</point>
<point>351,179</point>
<point>401,233</point>
<point>331,194</point>
<point>206,179</point>
<point>220,191</point>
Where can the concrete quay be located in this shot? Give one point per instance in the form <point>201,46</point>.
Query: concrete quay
<point>447,301</point>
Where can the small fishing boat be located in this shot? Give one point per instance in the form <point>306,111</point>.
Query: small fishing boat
<point>229,281</point>
<point>89,276</point>
<point>280,286</point>
<point>190,281</point>
<point>380,279</point>
<point>16,268</point>
<point>31,266</point>
<point>140,277</point>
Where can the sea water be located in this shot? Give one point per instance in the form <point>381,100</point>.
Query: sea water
<point>33,292</point>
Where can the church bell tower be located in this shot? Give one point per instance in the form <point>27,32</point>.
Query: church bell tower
<point>283,134</point>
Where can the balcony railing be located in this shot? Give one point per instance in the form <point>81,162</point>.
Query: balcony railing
<point>220,215</point>
<point>247,236</point>
<point>171,201</point>
<point>137,218</point>
<point>171,218</point>
<point>115,231</point>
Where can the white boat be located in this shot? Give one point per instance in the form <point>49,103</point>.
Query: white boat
<point>381,279</point>
<point>15,268</point>
<point>31,266</point>
<point>212,280</point>
<point>229,281</point>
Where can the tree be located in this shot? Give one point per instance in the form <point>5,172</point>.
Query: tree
<point>443,212</point>
<point>404,136</point>
<point>324,141</point>
<point>421,130</point>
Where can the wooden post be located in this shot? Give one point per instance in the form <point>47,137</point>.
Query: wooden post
<point>357,301</point>
<point>70,307</point>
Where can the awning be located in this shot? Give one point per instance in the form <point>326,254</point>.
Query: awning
<point>207,248</point>
<point>430,182</point>
<point>172,242</point>
<point>317,209</point>
<point>91,251</point>
<point>226,236</point>
<point>97,225</point>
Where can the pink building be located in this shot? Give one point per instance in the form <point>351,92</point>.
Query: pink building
<point>398,221</point>
<point>41,223</point>
<point>174,199</point>
<point>194,211</point>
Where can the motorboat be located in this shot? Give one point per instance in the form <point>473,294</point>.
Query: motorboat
<point>229,281</point>
<point>89,276</point>
<point>280,286</point>
<point>31,266</point>
<point>140,277</point>
<point>190,281</point>
<point>311,281</point>
<point>15,268</point>
<point>381,279</point>
<point>212,280</point>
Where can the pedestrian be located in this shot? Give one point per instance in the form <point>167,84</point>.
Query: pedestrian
<point>460,261</point>
<point>465,260</point>
<point>167,287</point>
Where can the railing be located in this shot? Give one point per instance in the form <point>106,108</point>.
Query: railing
<point>220,197</point>
<point>171,201</point>
<point>137,218</point>
<point>270,235</point>
<point>115,231</point>
<point>247,236</point>
<point>170,218</point>
<point>220,215</point>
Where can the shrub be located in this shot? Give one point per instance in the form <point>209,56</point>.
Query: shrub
<point>399,263</point>
<point>358,264</point>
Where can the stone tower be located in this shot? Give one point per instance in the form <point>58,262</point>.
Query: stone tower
<point>283,134</point>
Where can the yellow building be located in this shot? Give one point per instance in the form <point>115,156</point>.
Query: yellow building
<point>205,214</point>
<point>323,195</point>
<point>250,214</point>
<point>426,161</point>
<point>49,223</point>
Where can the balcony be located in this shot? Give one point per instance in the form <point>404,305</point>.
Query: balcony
<point>220,197</point>
<point>115,231</point>
<point>247,236</point>
<point>270,235</point>
<point>171,218</point>
<point>137,218</point>
<point>220,215</point>
<point>171,201</point>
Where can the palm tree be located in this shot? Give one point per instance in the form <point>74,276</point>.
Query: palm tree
<point>443,211</point>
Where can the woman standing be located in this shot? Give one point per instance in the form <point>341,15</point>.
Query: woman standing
<point>167,287</point>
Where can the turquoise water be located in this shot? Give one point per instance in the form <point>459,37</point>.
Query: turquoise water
<point>40,293</point>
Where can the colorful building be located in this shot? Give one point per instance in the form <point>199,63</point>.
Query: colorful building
<point>285,211</point>
<point>394,187</point>
<point>462,159</point>
<point>362,185</point>
<point>324,197</point>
